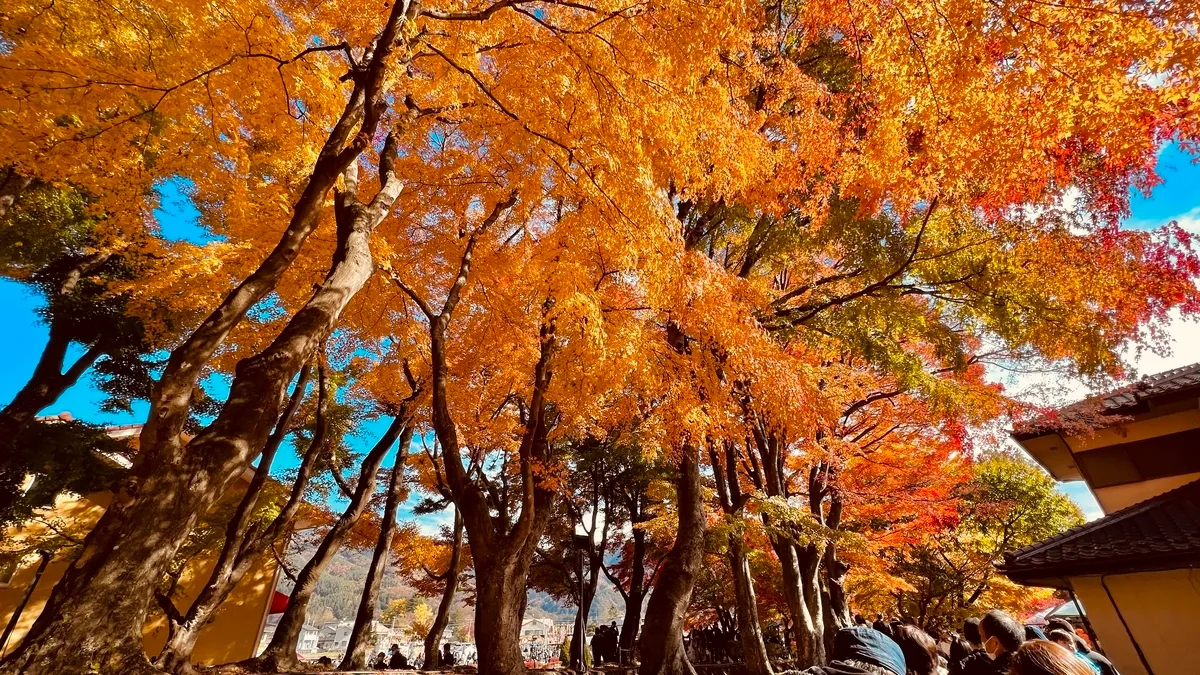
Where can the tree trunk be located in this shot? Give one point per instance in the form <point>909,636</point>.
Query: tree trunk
<point>46,384</point>
<point>810,649</point>
<point>662,635</point>
<point>280,654</point>
<point>243,545</point>
<point>359,646</point>
<point>733,502</point>
<point>636,595</point>
<point>433,639</point>
<point>809,563</point>
<point>499,611</point>
<point>837,615</point>
<point>754,648</point>
<point>100,606</point>
<point>584,609</point>
<point>93,619</point>
<point>502,553</point>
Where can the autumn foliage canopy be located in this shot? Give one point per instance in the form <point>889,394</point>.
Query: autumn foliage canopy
<point>787,242</point>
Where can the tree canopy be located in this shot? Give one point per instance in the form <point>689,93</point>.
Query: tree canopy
<point>758,259</point>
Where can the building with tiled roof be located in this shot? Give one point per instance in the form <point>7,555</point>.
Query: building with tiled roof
<point>1137,569</point>
<point>1129,444</point>
<point>1160,533</point>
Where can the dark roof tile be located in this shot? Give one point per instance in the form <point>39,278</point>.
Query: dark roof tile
<point>1123,401</point>
<point>1154,534</point>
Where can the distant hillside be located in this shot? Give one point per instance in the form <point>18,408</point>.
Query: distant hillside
<point>337,595</point>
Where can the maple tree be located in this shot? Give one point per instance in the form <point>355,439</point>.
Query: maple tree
<point>449,554</point>
<point>1007,504</point>
<point>751,235</point>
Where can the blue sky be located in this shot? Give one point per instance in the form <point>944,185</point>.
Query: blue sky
<point>24,336</point>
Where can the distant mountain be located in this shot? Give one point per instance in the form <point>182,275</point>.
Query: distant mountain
<point>340,588</point>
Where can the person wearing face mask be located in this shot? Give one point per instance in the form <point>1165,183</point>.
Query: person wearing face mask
<point>1106,667</point>
<point>975,661</point>
<point>1002,637</point>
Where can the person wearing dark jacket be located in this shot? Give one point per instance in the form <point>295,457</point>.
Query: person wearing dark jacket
<point>975,661</point>
<point>397,661</point>
<point>882,626</point>
<point>1081,646</point>
<point>860,650</point>
<point>959,650</point>
<point>1002,637</point>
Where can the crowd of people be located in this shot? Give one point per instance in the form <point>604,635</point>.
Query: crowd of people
<point>712,644</point>
<point>395,659</point>
<point>606,644</point>
<point>995,644</point>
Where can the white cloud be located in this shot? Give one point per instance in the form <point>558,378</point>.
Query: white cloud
<point>1190,221</point>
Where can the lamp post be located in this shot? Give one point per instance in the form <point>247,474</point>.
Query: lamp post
<point>582,544</point>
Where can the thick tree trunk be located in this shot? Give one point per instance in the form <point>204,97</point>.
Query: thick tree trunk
<point>93,620</point>
<point>433,638</point>
<point>499,611</point>
<point>101,605</point>
<point>280,654</point>
<point>359,646</point>
<point>243,545</point>
<point>662,635</point>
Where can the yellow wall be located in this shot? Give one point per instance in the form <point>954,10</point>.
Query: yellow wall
<point>1162,611</point>
<point>1118,497</point>
<point>230,636</point>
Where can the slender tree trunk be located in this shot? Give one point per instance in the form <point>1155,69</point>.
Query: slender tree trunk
<point>433,638</point>
<point>280,654</point>
<point>810,648</point>
<point>502,554</point>
<point>809,563</point>
<point>585,608</point>
<point>244,545</point>
<point>837,614</point>
<point>94,618</point>
<point>754,648</point>
<point>359,645</point>
<point>46,384</point>
<point>636,595</point>
<point>662,635</point>
<point>733,501</point>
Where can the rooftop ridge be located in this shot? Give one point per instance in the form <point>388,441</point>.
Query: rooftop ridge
<point>1106,521</point>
